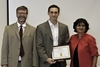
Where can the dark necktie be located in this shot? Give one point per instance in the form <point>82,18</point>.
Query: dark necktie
<point>21,46</point>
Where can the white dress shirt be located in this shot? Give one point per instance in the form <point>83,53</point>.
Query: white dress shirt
<point>54,30</point>
<point>23,26</point>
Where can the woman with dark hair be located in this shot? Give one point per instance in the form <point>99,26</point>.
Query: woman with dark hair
<point>83,46</point>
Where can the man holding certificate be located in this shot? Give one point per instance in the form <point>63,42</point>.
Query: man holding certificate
<point>50,35</point>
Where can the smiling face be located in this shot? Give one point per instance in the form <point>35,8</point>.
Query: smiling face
<point>53,14</point>
<point>21,16</point>
<point>80,28</point>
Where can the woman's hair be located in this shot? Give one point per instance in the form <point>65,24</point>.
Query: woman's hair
<point>78,21</point>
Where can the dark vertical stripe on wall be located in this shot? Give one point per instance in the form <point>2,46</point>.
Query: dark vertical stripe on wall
<point>7,12</point>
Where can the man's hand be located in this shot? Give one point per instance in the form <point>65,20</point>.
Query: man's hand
<point>60,60</point>
<point>51,61</point>
<point>4,65</point>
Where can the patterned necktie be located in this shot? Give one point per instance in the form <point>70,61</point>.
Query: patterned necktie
<point>21,46</point>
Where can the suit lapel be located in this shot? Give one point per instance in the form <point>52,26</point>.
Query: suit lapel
<point>60,32</point>
<point>48,29</point>
<point>15,26</point>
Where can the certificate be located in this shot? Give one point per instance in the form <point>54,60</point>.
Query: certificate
<point>61,52</point>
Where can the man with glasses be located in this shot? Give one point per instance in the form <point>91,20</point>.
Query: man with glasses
<point>18,46</point>
<point>49,34</point>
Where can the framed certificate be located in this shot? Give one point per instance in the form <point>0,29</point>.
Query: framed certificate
<point>61,52</point>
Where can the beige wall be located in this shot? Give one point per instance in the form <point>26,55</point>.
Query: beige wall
<point>3,21</point>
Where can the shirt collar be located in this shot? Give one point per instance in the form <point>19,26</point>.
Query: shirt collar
<point>51,24</point>
<point>23,25</point>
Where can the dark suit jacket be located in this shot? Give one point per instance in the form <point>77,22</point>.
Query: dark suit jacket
<point>11,46</point>
<point>44,41</point>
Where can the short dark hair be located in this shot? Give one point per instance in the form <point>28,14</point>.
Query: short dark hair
<point>54,6</point>
<point>22,8</point>
<point>78,21</point>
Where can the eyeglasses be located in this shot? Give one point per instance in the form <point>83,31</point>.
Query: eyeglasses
<point>20,13</point>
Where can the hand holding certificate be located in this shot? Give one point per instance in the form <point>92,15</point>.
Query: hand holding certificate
<point>61,52</point>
